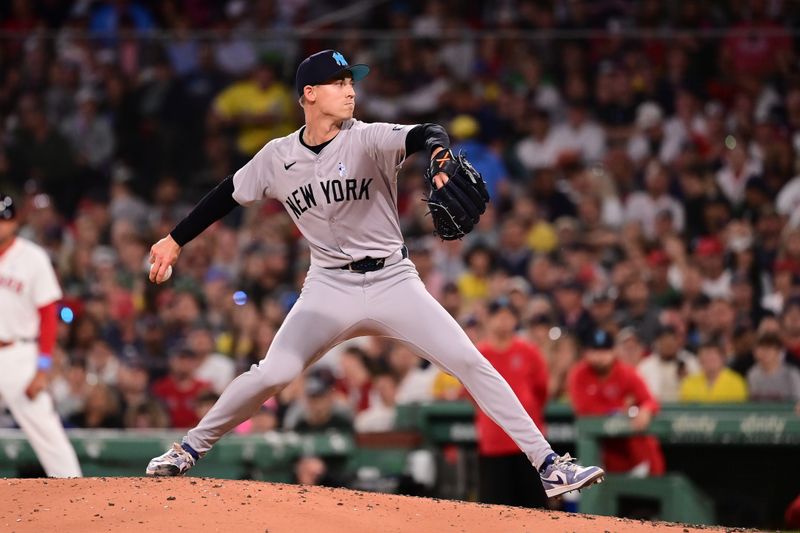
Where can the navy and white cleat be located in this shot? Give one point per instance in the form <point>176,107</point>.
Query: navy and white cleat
<point>175,462</point>
<point>563,475</point>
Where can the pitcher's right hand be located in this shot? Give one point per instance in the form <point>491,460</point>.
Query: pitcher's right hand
<point>163,254</point>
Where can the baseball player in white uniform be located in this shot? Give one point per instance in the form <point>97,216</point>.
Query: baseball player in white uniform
<point>337,178</point>
<point>29,291</point>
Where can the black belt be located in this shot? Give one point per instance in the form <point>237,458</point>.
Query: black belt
<point>369,264</point>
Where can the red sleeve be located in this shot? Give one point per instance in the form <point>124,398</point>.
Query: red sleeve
<point>576,387</point>
<point>47,329</point>
<point>640,392</point>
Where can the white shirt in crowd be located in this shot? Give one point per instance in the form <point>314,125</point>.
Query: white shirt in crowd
<point>417,386</point>
<point>639,148</point>
<point>376,418</point>
<point>66,401</point>
<point>676,134</point>
<point>217,370</point>
<point>535,154</point>
<point>732,185</point>
<point>719,287</point>
<point>788,201</point>
<point>106,373</point>
<point>773,302</point>
<point>641,207</point>
<point>588,139</point>
<point>663,377</point>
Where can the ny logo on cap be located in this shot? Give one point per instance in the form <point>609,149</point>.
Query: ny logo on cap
<point>340,60</point>
<point>600,337</point>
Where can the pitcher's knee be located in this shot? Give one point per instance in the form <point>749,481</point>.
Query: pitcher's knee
<point>469,362</point>
<point>271,376</point>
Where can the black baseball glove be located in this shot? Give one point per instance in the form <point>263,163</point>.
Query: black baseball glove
<point>457,206</point>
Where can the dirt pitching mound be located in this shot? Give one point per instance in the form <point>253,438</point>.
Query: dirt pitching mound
<point>209,505</point>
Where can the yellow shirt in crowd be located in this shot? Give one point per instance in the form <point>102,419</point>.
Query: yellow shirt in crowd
<point>728,387</point>
<point>447,387</point>
<point>542,237</point>
<point>247,98</point>
<point>472,287</point>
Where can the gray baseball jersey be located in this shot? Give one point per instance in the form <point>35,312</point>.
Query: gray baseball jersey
<point>344,199</point>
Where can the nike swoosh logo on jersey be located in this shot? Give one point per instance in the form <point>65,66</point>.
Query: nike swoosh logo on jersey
<point>397,128</point>
<point>287,166</point>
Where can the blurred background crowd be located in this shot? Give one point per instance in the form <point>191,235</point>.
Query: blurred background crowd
<point>642,159</point>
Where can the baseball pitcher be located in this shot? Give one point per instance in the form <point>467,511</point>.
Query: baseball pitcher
<point>337,179</point>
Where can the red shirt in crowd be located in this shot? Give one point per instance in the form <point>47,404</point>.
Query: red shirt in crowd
<point>622,388</point>
<point>792,516</point>
<point>180,401</point>
<point>522,365</point>
<point>755,47</point>
<point>357,397</point>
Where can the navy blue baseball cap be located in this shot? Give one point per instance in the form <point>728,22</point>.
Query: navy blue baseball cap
<point>500,304</point>
<point>7,209</point>
<point>323,66</point>
<point>599,340</point>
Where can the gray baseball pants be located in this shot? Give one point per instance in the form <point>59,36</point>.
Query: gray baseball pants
<point>336,305</point>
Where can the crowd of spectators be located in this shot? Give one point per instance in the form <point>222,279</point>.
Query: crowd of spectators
<point>644,181</point>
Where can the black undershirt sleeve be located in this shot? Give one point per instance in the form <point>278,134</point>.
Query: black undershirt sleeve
<point>427,136</point>
<point>214,205</point>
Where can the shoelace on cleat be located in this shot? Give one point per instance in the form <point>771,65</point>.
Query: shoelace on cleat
<point>177,451</point>
<point>566,462</point>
